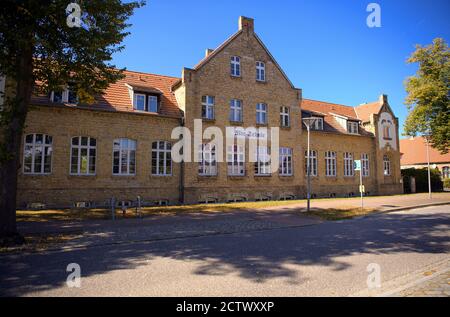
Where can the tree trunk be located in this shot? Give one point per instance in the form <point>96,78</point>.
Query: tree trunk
<point>11,135</point>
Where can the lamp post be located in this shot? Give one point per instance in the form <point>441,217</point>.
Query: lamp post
<point>427,141</point>
<point>308,122</point>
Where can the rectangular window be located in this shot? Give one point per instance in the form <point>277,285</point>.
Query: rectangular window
<point>352,127</point>
<point>83,156</point>
<point>312,163</point>
<point>365,165</point>
<point>208,107</point>
<point>235,65</point>
<point>37,154</point>
<point>161,158</point>
<point>330,164</point>
<point>260,71</point>
<point>139,102</point>
<point>386,165</point>
<point>261,113</point>
<point>349,169</point>
<point>66,95</point>
<point>262,164</point>
<point>318,124</point>
<point>152,103</point>
<point>236,160</point>
<point>207,160</point>
<point>124,157</point>
<point>285,116</point>
<point>236,110</point>
<point>285,161</point>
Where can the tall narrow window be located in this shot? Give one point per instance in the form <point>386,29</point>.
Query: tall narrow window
<point>37,154</point>
<point>235,66</point>
<point>312,163</point>
<point>161,158</point>
<point>262,164</point>
<point>83,155</point>
<point>285,161</point>
<point>261,113</point>
<point>152,103</point>
<point>330,163</point>
<point>386,165</point>
<point>446,172</point>
<point>236,110</point>
<point>208,107</point>
<point>365,165</point>
<point>207,160</point>
<point>260,71</point>
<point>349,169</point>
<point>139,102</point>
<point>236,160</point>
<point>124,157</point>
<point>285,120</point>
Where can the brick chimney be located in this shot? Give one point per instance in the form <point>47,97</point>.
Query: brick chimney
<point>246,24</point>
<point>383,99</point>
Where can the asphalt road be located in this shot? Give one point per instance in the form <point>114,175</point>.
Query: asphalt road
<point>328,259</point>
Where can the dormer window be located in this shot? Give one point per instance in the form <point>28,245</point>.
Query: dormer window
<point>318,124</point>
<point>352,127</point>
<point>260,71</point>
<point>145,102</point>
<point>235,66</point>
<point>67,95</point>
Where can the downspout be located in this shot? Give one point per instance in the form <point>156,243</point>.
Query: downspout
<point>181,191</point>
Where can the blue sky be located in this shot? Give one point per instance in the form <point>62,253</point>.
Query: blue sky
<point>324,46</point>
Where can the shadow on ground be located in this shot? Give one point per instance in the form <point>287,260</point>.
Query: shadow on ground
<point>258,256</point>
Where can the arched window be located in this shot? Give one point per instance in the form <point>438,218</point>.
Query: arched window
<point>37,154</point>
<point>386,165</point>
<point>124,157</point>
<point>83,154</point>
<point>161,158</point>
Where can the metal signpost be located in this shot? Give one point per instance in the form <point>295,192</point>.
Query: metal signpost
<point>308,122</point>
<point>357,164</point>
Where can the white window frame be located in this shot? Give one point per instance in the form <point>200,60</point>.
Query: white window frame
<point>236,110</point>
<point>352,127</point>
<point>135,101</point>
<point>285,116</point>
<point>262,164</point>
<point>386,166</point>
<point>330,164</point>
<point>44,147</point>
<point>365,165</point>
<point>163,153</point>
<point>349,168</point>
<point>129,150</point>
<point>261,113</point>
<point>446,172</point>
<point>318,124</point>
<point>208,107</point>
<point>64,96</point>
<point>88,147</point>
<point>312,164</point>
<point>260,71</point>
<point>152,97</point>
<point>286,161</point>
<point>236,160</point>
<point>235,64</point>
<point>207,165</point>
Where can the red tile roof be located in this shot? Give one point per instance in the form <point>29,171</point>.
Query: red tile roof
<point>364,111</point>
<point>117,97</point>
<point>414,151</point>
<point>329,110</point>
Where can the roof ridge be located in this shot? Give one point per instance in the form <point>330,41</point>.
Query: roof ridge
<point>151,74</point>
<point>330,103</point>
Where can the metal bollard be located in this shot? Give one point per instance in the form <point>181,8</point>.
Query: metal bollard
<point>113,208</point>
<point>138,208</point>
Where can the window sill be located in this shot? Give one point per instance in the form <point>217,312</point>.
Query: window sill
<point>208,120</point>
<point>207,176</point>
<point>236,77</point>
<point>259,125</point>
<point>286,176</point>
<point>238,123</point>
<point>161,175</point>
<point>236,176</point>
<point>37,174</point>
<point>264,82</point>
<point>262,176</point>
<point>288,127</point>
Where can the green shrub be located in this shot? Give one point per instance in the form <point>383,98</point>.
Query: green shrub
<point>447,183</point>
<point>421,176</point>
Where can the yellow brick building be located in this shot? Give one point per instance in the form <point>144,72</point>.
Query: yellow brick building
<point>75,154</point>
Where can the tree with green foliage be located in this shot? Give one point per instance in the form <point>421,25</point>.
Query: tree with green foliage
<point>52,43</point>
<point>428,98</point>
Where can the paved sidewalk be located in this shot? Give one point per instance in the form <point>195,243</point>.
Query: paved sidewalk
<point>438,286</point>
<point>163,227</point>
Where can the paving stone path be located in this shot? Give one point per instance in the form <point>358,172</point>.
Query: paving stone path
<point>438,286</point>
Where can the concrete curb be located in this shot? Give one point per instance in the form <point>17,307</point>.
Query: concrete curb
<point>403,208</point>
